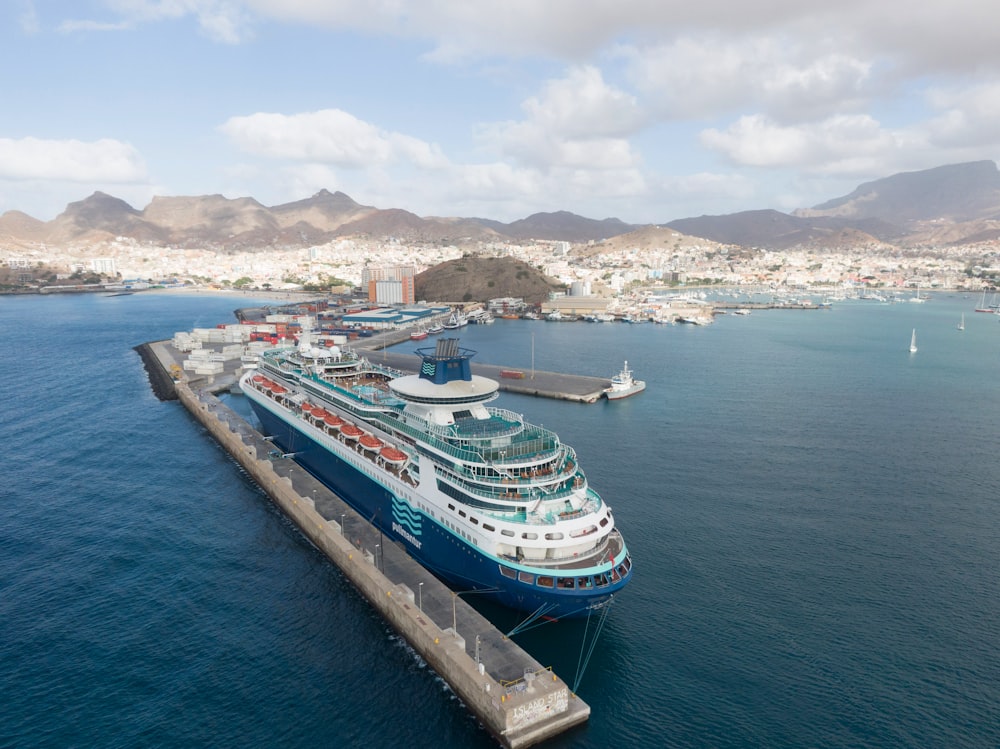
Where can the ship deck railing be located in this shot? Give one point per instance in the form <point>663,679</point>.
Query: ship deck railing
<point>609,548</point>
<point>473,428</point>
<point>539,482</point>
<point>591,504</point>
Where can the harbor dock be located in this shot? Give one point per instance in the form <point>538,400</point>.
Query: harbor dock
<point>516,699</point>
<point>558,385</point>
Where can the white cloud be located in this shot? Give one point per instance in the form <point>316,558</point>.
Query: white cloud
<point>839,145</point>
<point>227,21</point>
<point>701,76</point>
<point>576,123</point>
<point>583,105</point>
<point>968,117</point>
<point>103,160</point>
<point>27,19</point>
<point>329,136</point>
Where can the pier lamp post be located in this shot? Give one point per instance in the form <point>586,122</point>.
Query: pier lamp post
<point>378,548</point>
<point>420,596</point>
<point>342,516</point>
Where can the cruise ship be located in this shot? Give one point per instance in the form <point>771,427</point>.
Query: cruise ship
<point>479,496</point>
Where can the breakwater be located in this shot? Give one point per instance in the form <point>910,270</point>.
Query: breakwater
<point>516,699</point>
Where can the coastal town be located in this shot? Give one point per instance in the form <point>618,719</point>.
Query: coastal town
<point>653,257</point>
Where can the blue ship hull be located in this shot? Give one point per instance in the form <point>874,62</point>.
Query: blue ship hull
<point>436,547</point>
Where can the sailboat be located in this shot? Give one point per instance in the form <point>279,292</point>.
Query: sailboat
<point>982,305</point>
<point>961,325</point>
<point>913,342</point>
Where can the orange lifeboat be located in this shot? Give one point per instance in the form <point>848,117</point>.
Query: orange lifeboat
<point>278,390</point>
<point>332,420</point>
<point>351,432</point>
<point>371,442</point>
<point>320,413</point>
<point>307,408</point>
<point>392,456</point>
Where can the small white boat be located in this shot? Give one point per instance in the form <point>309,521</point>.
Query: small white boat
<point>456,321</point>
<point>623,385</point>
<point>913,342</point>
<point>961,324</point>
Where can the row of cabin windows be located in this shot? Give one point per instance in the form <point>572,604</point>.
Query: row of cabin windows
<point>570,583</point>
<point>527,535</point>
<point>461,533</point>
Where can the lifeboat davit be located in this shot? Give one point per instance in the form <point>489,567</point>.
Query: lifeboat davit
<point>371,442</point>
<point>393,456</point>
<point>351,432</point>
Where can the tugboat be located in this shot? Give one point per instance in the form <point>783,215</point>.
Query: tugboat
<point>623,385</point>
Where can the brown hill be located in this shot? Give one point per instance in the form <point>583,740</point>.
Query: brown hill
<point>645,238</point>
<point>564,226</point>
<point>324,211</point>
<point>212,217</point>
<point>956,192</point>
<point>99,217</point>
<point>478,279</point>
<point>17,226</point>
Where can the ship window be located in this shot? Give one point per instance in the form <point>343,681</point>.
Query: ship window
<point>451,507</point>
<point>507,572</point>
<point>474,521</point>
<point>461,513</point>
<point>507,532</point>
<point>553,536</point>
<point>566,582</point>
<point>488,527</point>
<point>602,580</point>
<point>526,577</point>
<point>604,522</point>
<point>544,582</point>
<point>585,582</point>
<point>529,536</point>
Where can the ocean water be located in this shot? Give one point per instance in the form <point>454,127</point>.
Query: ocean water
<point>813,513</point>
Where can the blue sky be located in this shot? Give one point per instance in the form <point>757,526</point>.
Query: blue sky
<point>645,110</point>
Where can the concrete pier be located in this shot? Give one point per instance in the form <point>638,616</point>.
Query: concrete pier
<point>558,385</point>
<point>520,702</point>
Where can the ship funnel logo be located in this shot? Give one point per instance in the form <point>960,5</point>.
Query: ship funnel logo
<point>428,368</point>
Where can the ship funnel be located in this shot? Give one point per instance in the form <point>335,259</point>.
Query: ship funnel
<point>446,362</point>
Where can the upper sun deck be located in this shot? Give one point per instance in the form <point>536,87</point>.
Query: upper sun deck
<point>305,359</point>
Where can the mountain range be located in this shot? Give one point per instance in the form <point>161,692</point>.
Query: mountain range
<point>957,204</point>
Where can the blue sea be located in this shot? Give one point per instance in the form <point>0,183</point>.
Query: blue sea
<point>813,514</point>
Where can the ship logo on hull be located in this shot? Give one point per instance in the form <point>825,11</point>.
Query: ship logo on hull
<point>406,522</point>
